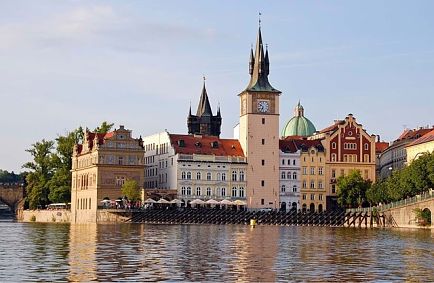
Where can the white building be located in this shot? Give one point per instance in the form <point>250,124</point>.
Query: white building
<point>196,166</point>
<point>289,176</point>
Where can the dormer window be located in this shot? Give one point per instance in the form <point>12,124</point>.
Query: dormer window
<point>214,144</point>
<point>181,143</point>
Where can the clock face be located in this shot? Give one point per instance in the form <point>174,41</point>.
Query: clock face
<point>263,106</point>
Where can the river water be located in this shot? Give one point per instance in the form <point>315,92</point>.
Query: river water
<point>138,252</point>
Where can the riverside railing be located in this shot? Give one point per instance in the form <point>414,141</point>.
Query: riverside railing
<point>382,207</point>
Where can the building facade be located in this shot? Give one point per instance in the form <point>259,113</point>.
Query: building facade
<point>289,173</point>
<point>259,131</point>
<point>100,166</point>
<point>195,167</point>
<point>395,156</point>
<point>424,144</point>
<point>348,147</point>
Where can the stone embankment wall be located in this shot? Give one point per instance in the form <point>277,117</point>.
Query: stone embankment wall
<point>65,216</point>
<point>405,217</point>
<point>59,215</point>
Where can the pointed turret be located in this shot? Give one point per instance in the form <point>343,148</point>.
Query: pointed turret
<point>204,122</point>
<point>204,107</point>
<point>260,69</point>
<point>252,61</point>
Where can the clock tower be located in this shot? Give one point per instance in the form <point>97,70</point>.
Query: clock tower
<point>259,131</point>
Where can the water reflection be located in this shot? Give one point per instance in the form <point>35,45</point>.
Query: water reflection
<point>138,252</point>
<point>82,252</point>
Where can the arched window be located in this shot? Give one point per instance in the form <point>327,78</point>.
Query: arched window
<point>223,176</point>
<point>188,191</point>
<point>198,176</point>
<point>283,188</point>
<point>208,176</point>
<point>218,177</point>
<point>333,156</point>
<point>198,191</point>
<point>366,146</point>
<point>183,191</point>
<point>333,145</point>
<point>223,191</point>
<point>241,192</point>
<point>294,188</point>
<point>304,184</point>
<point>242,176</point>
<point>312,184</point>
<point>208,191</point>
<point>283,176</point>
<point>188,175</point>
<point>294,175</point>
<point>234,175</point>
<point>234,192</point>
<point>288,176</point>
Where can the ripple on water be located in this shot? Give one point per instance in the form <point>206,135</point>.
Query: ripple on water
<point>137,252</point>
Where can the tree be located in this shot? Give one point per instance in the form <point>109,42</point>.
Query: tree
<point>352,189</point>
<point>41,172</point>
<point>131,190</point>
<point>6,177</point>
<point>105,127</point>
<point>60,183</point>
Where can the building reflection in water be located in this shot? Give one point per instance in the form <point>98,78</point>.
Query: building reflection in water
<point>82,252</point>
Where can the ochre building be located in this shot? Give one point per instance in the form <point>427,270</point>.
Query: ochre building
<point>100,166</point>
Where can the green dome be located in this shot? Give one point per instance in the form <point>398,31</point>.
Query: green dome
<point>298,125</point>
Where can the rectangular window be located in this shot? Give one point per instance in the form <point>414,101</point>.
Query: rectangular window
<point>312,184</point>
<point>263,162</point>
<point>262,201</point>
<point>333,189</point>
<point>312,197</point>
<point>320,197</point>
<point>333,173</point>
<point>320,185</point>
<point>263,141</point>
<point>262,183</point>
<point>320,170</point>
<point>263,121</point>
<point>304,196</point>
<point>304,170</point>
<point>312,170</point>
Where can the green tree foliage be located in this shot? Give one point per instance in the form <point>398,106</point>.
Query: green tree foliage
<point>407,182</point>
<point>41,171</point>
<point>131,190</point>
<point>352,189</point>
<point>6,177</point>
<point>49,179</point>
<point>105,127</point>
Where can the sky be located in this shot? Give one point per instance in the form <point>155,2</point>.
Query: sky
<point>66,64</point>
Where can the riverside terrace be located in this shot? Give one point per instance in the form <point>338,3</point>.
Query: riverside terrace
<point>228,216</point>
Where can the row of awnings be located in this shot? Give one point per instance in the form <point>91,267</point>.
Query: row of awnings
<point>197,202</point>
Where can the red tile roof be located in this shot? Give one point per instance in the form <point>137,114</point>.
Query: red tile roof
<point>91,136</point>
<point>413,134</point>
<point>428,137</point>
<point>333,127</point>
<point>195,144</point>
<point>381,146</point>
<point>295,144</point>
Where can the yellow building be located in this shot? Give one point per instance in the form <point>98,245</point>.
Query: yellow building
<point>100,166</point>
<point>348,147</point>
<point>313,182</point>
<point>424,144</point>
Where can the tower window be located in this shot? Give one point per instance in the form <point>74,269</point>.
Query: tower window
<point>262,201</point>
<point>262,183</point>
<point>263,121</point>
<point>263,162</point>
<point>263,141</point>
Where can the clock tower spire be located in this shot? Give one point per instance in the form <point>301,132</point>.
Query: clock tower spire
<point>259,131</point>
